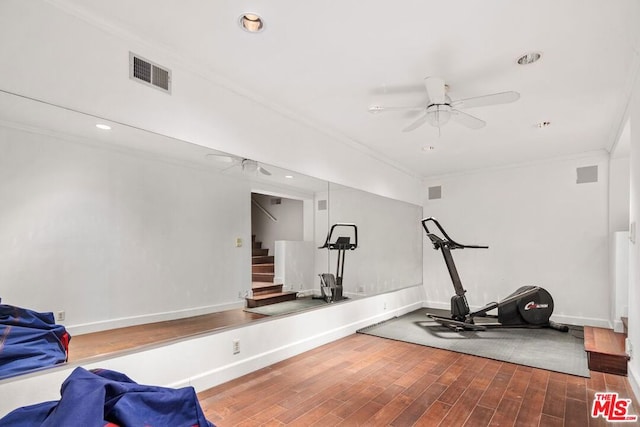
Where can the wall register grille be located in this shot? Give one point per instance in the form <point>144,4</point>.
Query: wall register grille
<point>149,73</point>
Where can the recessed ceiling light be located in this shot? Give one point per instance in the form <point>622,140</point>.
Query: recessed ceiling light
<point>543,124</point>
<point>103,126</point>
<point>289,176</point>
<point>251,23</point>
<point>529,58</point>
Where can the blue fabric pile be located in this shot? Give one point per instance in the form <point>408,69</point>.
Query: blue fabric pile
<point>104,398</point>
<point>29,340</point>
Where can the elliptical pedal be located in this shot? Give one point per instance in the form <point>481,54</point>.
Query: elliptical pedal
<point>456,325</point>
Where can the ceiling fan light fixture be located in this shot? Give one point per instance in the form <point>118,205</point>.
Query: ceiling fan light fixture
<point>542,125</point>
<point>438,115</point>
<point>529,58</point>
<point>251,23</point>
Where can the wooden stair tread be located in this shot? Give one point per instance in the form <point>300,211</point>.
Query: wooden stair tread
<point>605,350</point>
<point>272,295</point>
<point>604,341</point>
<point>261,259</point>
<point>262,285</point>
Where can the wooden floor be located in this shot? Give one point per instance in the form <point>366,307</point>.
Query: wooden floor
<point>84,347</point>
<point>371,381</point>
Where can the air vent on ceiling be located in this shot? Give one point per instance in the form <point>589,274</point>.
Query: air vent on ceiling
<point>145,71</point>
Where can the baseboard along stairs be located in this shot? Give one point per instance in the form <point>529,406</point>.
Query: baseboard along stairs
<point>606,349</point>
<point>263,289</point>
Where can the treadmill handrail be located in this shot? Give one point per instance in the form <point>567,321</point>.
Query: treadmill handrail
<point>452,244</point>
<point>352,246</point>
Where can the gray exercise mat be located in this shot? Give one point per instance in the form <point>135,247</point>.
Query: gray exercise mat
<point>287,307</point>
<point>539,348</point>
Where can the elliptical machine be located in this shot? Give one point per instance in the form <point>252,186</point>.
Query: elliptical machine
<point>330,285</point>
<point>527,307</point>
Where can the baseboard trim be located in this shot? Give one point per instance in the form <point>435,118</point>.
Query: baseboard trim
<point>123,322</point>
<point>632,376</point>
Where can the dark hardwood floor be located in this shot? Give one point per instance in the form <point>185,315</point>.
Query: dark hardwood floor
<point>84,347</point>
<point>371,381</point>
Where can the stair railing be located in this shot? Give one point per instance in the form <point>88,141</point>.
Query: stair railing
<point>266,212</point>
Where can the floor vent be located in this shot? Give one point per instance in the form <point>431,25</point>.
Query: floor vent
<point>149,73</point>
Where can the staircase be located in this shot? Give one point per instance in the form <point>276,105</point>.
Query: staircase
<point>264,291</point>
<point>606,350</point>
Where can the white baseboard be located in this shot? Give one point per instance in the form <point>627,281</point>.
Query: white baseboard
<point>632,376</point>
<point>87,328</point>
<point>618,326</point>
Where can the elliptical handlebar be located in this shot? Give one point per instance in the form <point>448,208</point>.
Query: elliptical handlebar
<point>452,244</point>
<point>341,242</point>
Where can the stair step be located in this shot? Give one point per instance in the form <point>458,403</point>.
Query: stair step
<point>605,350</point>
<point>262,277</point>
<point>261,288</point>
<point>256,245</point>
<point>272,298</point>
<point>259,252</point>
<point>262,268</point>
<point>262,259</point>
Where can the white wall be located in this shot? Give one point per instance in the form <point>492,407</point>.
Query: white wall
<point>634,248</point>
<point>619,194</point>
<point>51,55</point>
<point>541,228</point>
<point>115,238</point>
<point>289,224</point>
<point>207,360</point>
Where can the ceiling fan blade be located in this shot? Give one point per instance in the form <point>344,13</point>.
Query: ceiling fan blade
<point>264,171</point>
<point>467,120</point>
<point>416,124</point>
<point>374,109</point>
<point>221,157</point>
<point>481,101</point>
<point>435,90</point>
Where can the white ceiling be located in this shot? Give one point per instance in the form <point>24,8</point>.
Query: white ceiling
<point>327,62</point>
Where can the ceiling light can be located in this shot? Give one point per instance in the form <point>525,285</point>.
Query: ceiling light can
<point>529,58</point>
<point>251,22</point>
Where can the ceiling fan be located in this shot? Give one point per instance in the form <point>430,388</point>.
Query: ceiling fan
<point>440,108</point>
<point>247,165</point>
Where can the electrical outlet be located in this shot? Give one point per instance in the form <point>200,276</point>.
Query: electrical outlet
<point>60,315</point>
<point>236,346</point>
<point>385,305</point>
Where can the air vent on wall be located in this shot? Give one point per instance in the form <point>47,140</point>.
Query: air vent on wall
<point>587,174</point>
<point>147,72</point>
<point>435,192</point>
